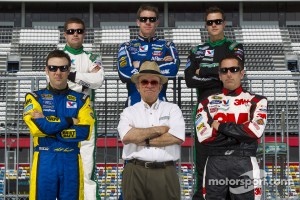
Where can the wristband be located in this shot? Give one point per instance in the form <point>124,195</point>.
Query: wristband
<point>147,141</point>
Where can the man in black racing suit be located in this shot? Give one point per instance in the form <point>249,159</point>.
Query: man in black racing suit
<point>202,73</point>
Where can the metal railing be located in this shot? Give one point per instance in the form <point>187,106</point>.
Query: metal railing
<point>281,134</point>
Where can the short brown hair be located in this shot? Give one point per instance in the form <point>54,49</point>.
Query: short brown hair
<point>232,57</point>
<point>147,7</point>
<point>58,54</point>
<point>73,20</point>
<point>214,9</point>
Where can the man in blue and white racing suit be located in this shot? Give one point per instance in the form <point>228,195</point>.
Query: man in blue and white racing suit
<point>146,47</point>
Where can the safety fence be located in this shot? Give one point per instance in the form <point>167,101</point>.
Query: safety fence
<point>278,152</point>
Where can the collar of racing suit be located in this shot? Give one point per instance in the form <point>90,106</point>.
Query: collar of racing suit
<point>56,91</point>
<point>150,39</point>
<point>218,42</point>
<point>235,92</point>
<point>72,50</point>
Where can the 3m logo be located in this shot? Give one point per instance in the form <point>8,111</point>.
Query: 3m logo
<point>68,133</point>
<point>238,102</point>
<point>230,117</point>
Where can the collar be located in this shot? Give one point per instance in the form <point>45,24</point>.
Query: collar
<point>218,42</point>
<point>154,105</point>
<point>56,91</point>
<point>150,39</point>
<point>235,92</point>
<point>72,50</point>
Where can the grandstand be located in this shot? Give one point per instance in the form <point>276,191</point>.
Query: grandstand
<point>266,48</point>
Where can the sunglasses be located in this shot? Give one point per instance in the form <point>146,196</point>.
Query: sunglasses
<point>231,69</point>
<point>216,21</point>
<point>146,82</point>
<point>151,19</point>
<point>72,31</point>
<point>53,68</point>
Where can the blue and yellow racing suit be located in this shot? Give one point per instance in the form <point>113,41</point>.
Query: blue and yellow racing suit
<point>57,168</point>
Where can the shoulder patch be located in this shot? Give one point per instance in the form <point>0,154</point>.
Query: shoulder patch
<point>194,49</point>
<point>84,97</point>
<point>234,44</point>
<point>168,43</point>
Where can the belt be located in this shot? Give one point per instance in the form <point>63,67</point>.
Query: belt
<point>151,165</point>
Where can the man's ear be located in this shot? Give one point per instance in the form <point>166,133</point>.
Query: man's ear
<point>242,74</point>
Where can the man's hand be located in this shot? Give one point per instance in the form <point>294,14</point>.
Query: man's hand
<point>96,69</point>
<point>136,64</point>
<point>215,125</point>
<point>160,130</point>
<point>37,114</point>
<point>198,72</point>
<point>75,121</point>
<point>168,58</point>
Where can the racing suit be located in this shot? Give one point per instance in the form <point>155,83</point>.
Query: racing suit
<point>82,79</point>
<point>57,167</point>
<point>206,57</point>
<point>231,148</point>
<point>146,49</point>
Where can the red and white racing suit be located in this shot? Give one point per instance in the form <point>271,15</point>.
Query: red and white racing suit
<point>232,148</point>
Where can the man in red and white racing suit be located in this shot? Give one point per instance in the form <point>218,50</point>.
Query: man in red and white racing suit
<point>229,125</point>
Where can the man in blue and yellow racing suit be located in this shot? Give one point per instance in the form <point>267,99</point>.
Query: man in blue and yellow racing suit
<point>147,47</point>
<point>58,119</point>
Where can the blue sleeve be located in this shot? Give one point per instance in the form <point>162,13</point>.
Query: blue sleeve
<point>50,125</point>
<point>83,130</point>
<point>170,69</point>
<point>125,66</point>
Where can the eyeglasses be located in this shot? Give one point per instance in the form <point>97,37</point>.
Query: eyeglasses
<point>146,82</point>
<point>151,19</point>
<point>216,21</point>
<point>231,69</point>
<point>72,31</point>
<point>53,68</point>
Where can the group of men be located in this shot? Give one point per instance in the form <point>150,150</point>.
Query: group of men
<point>228,120</point>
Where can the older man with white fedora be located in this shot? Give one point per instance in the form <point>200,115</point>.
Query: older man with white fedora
<point>152,132</point>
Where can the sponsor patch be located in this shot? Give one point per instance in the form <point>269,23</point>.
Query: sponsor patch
<point>53,119</point>
<point>216,97</point>
<point>81,82</point>
<point>47,96</point>
<point>122,53</point>
<point>27,108</point>
<point>209,53</point>
<point>213,109</point>
<point>28,101</point>
<point>70,133</point>
<point>215,102</point>
<point>71,98</point>
<point>143,48</point>
<point>123,63</point>
<point>260,122</point>
<point>188,63</point>
<point>203,130</point>
<point>71,104</point>
<point>200,126</point>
